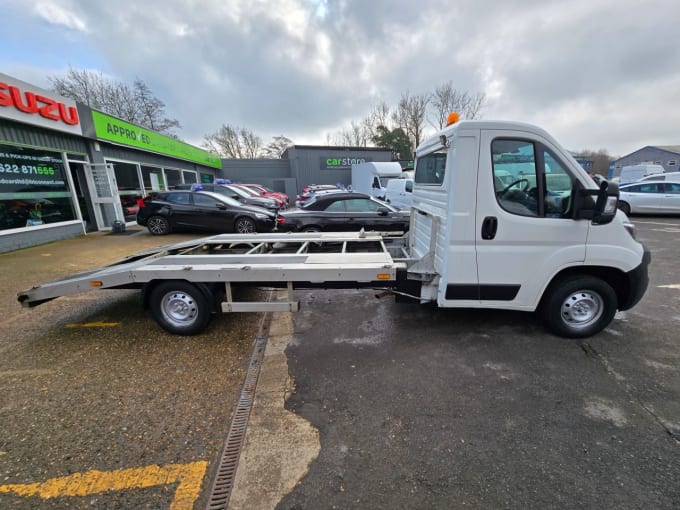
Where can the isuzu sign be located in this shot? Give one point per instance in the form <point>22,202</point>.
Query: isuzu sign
<point>29,104</point>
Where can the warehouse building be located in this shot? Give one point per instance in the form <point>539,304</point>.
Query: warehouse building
<point>301,165</point>
<point>668,156</point>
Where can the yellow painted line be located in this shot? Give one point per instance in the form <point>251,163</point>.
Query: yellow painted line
<point>94,325</point>
<point>189,476</point>
<point>671,286</point>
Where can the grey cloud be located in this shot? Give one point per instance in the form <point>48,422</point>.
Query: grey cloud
<point>281,68</point>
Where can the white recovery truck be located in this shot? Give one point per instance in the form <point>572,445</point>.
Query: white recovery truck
<point>549,241</point>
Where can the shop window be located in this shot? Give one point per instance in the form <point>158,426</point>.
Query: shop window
<point>190,177</point>
<point>129,189</point>
<point>174,177</point>
<point>33,188</point>
<point>153,179</point>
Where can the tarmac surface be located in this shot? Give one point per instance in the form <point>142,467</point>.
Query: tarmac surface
<point>99,407</point>
<point>361,402</point>
<point>422,408</point>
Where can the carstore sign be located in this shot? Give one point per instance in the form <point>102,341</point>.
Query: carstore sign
<point>121,132</point>
<point>29,104</point>
<point>341,163</point>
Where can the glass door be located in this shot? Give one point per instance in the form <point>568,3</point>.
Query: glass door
<point>101,181</point>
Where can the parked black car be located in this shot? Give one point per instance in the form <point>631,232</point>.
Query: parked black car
<point>234,192</point>
<point>344,211</point>
<point>201,210</point>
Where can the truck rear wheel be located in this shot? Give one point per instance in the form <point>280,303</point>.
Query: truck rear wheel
<point>578,306</point>
<point>180,307</point>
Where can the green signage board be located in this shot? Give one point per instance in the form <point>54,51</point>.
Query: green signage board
<point>118,131</point>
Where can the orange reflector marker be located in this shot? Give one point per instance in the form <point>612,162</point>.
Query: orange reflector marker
<point>383,276</point>
<point>96,284</point>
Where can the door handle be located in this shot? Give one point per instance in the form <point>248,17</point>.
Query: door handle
<point>489,227</point>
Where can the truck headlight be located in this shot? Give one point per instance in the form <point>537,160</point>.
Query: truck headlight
<point>630,228</point>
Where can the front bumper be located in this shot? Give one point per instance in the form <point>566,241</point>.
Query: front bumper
<point>638,280</point>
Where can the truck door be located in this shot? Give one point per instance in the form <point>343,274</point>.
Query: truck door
<point>524,232</point>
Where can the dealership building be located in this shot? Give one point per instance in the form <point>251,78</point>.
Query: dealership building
<point>66,169</point>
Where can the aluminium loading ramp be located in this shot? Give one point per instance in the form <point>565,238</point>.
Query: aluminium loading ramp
<point>290,260</point>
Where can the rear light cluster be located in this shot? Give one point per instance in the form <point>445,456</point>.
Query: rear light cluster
<point>141,202</point>
<point>280,220</point>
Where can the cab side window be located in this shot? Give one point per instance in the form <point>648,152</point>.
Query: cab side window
<point>514,169</point>
<point>530,180</point>
<point>558,186</point>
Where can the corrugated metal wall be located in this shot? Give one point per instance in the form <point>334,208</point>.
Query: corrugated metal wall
<point>22,134</point>
<point>308,164</point>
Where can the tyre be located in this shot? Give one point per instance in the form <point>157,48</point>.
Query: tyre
<point>578,306</point>
<point>623,206</point>
<point>244,225</point>
<point>311,228</point>
<point>158,225</point>
<point>180,307</point>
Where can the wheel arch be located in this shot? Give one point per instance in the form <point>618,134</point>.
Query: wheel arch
<point>212,291</point>
<point>615,278</point>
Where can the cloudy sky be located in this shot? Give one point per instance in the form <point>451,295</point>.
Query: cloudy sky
<point>597,74</point>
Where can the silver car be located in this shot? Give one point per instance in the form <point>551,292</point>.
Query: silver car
<point>650,197</point>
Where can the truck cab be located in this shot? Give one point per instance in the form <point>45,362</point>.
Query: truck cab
<point>504,217</point>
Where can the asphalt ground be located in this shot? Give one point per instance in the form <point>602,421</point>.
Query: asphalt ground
<point>99,407</point>
<point>423,408</point>
<point>389,405</point>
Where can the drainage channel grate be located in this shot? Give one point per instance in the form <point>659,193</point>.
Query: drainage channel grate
<point>226,472</point>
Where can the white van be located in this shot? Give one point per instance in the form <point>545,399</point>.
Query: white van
<point>634,173</point>
<point>666,176</point>
<point>372,177</point>
<point>399,193</point>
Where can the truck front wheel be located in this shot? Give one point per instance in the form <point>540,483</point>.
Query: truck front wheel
<point>578,306</point>
<point>179,307</point>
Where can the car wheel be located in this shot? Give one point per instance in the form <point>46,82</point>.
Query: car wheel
<point>311,228</point>
<point>158,225</point>
<point>623,206</point>
<point>578,306</point>
<point>180,307</point>
<point>244,225</point>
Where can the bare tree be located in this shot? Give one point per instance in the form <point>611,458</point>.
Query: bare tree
<point>446,99</point>
<point>357,135</point>
<point>277,147</point>
<point>135,104</point>
<point>233,142</point>
<point>600,160</point>
<point>410,115</point>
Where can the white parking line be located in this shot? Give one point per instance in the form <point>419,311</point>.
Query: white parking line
<point>656,223</point>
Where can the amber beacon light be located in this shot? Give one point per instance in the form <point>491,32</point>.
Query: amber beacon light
<point>452,118</point>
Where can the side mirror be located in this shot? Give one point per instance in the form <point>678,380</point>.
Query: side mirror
<point>603,210</point>
<point>221,206</point>
<point>383,211</point>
